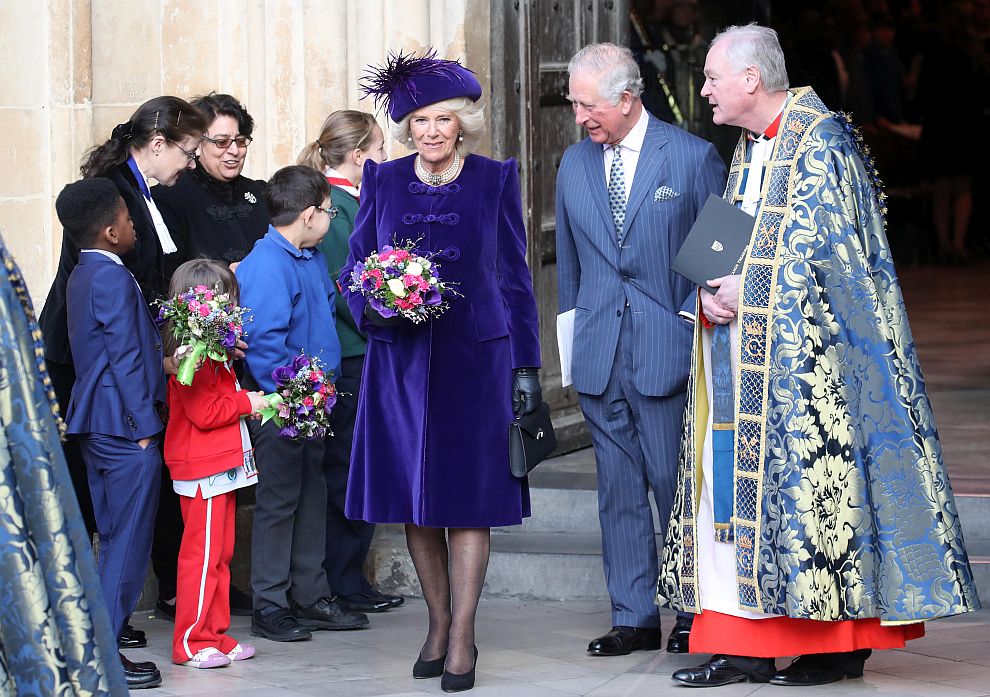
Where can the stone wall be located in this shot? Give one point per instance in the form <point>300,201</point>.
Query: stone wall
<point>71,69</point>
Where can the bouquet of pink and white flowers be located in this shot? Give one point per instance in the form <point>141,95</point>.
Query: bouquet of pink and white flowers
<point>205,322</point>
<point>303,399</point>
<point>402,281</point>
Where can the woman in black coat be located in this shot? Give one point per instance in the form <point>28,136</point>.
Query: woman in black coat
<point>158,142</point>
<point>216,212</point>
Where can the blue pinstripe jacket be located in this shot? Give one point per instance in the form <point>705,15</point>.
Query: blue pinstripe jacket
<point>598,278</point>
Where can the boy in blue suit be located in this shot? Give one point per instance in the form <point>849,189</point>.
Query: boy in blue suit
<point>117,351</point>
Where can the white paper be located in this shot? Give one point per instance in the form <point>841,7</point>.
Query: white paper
<point>565,344</point>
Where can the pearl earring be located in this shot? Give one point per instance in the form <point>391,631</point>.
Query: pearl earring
<point>460,136</point>
<point>409,139</point>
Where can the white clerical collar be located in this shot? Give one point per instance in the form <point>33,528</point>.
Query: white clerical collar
<point>635,137</point>
<point>110,255</point>
<point>161,229</point>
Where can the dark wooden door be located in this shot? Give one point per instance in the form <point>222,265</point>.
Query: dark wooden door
<point>532,42</point>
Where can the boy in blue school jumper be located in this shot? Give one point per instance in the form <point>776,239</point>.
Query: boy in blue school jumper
<point>284,282</point>
<point>117,351</point>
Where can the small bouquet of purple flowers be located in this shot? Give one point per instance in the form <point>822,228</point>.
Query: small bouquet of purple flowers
<point>205,322</point>
<point>401,281</point>
<point>303,399</point>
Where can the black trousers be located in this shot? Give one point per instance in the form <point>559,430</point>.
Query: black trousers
<point>348,540</point>
<point>168,535</point>
<point>288,534</point>
<point>63,376</point>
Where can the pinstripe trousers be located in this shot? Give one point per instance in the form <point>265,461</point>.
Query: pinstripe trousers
<point>636,440</point>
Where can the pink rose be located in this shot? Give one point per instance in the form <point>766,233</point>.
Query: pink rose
<point>201,288</point>
<point>204,311</point>
<point>307,401</point>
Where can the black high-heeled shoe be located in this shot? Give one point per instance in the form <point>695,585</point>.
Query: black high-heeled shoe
<point>428,669</point>
<point>459,682</point>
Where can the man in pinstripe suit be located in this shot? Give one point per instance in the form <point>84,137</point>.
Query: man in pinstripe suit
<point>626,197</point>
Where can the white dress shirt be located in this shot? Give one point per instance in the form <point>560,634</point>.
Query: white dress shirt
<point>631,146</point>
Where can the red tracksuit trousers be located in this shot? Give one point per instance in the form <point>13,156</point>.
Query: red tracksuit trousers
<point>202,607</point>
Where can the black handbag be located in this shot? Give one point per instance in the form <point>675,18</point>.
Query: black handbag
<point>531,440</point>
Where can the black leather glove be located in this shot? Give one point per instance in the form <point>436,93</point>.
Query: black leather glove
<point>526,391</point>
<point>376,319</point>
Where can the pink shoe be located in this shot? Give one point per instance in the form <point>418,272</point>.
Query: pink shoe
<point>208,658</point>
<point>241,652</point>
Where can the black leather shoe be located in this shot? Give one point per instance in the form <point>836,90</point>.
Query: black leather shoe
<point>240,602</point>
<point>719,670</point>
<point>805,671</point>
<point>326,613</point>
<point>459,682</point>
<point>278,625</point>
<point>393,600</point>
<point>677,642</point>
<point>165,609</point>
<point>140,675</point>
<point>428,669</point>
<point>624,640</point>
<point>131,638</point>
<point>368,602</point>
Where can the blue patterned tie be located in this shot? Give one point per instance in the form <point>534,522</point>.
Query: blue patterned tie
<point>617,191</point>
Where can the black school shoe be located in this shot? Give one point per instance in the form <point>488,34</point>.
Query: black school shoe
<point>370,601</point>
<point>131,638</point>
<point>278,625</point>
<point>140,675</point>
<point>327,613</point>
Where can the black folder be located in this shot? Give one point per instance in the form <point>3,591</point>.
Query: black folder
<point>716,243</point>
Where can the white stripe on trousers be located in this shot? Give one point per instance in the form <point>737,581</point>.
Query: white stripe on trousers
<point>202,578</point>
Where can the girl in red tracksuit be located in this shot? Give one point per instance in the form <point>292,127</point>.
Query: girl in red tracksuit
<point>209,456</point>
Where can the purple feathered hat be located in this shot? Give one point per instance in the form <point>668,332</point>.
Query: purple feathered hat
<point>407,82</point>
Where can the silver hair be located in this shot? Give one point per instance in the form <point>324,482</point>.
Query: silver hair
<point>470,115</point>
<point>752,44</point>
<point>616,67</point>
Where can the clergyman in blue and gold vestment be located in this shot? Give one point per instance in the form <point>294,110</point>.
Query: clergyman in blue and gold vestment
<point>813,514</point>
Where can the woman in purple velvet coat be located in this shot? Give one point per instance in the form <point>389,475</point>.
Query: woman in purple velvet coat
<point>431,438</point>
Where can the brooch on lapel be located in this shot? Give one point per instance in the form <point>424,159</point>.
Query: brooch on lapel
<point>665,193</point>
<point>249,197</point>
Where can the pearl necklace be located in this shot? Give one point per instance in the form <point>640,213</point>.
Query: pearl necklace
<point>439,178</point>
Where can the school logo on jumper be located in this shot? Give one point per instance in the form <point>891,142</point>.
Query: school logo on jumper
<point>717,246</point>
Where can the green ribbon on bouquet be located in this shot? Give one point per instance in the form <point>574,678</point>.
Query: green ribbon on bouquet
<point>192,355</point>
<point>271,411</point>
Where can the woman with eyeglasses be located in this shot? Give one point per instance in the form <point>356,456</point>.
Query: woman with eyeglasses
<point>159,141</point>
<point>216,212</point>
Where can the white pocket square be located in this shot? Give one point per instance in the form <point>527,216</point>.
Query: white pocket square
<point>665,193</point>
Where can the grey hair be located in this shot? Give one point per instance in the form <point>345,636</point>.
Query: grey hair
<point>753,44</point>
<point>616,66</point>
<point>470,115</point>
